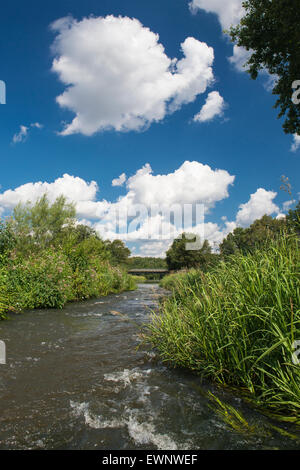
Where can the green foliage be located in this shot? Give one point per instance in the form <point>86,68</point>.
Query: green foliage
<point>118,251</point>
<point>293,219</point>
<point>37,226</point>
<point>245,240</point>
<point>7,238</point>
<point>237,323</point>
<point>138,262</point>
<point>270,29</point>
<point>38,281</point>
<point>49,280</point>
<point>180,255</point>
<point>138,279</point>
<point>172,281</point>
<point>46,260</point>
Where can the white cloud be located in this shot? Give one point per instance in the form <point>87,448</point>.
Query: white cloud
<point>193,182</point>
<point>229,12</point>
<point>296,143</point>
<point>240,58</point>
<point>214,106</point>
<point>23,132</point>
<point>118,76</point>
<point>155,249</point>
<point>259,204</point>
<point>119,181</point>
<point>37,125</point>
<point>21,135</point>
<point>74,188</point>
<point>287,204</point>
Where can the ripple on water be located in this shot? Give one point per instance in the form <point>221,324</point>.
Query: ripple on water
<point>140,428</point>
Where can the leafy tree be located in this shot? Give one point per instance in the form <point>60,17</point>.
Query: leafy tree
<point>233,243</point>
<point>293,219</point>
<point>7,238</point>
<point>179,257</point>
<point>245,240</point>
<point>270,30</point>
<point>42,222</point>
<point>118,251</point>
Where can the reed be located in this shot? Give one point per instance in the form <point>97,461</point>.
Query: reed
<point>237,324</point>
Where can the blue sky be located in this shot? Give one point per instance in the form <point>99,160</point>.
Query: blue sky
<point>244,138</point>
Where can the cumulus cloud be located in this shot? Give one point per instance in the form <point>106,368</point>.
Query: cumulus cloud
<point>214,106</point>
<point>229,12</point>
<point>145,207</point>
<point>193,182</point>
<point>73,188</point>
<point>119,181</point>
<point>296,143</point>
<point>259,204</point>
<point>23,132</point>
<point>118,76</point>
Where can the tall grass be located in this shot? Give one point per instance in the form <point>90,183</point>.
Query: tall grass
<point>237,325</point>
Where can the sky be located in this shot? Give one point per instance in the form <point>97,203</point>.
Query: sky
<point>134,108</point>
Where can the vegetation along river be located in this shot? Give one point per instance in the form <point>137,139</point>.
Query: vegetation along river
<point>74,379</point>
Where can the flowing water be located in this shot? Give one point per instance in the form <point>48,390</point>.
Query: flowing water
<point>74,379</point>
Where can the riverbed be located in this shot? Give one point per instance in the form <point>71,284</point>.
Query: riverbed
<point>79,378</point>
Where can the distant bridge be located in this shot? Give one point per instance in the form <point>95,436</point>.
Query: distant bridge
<point>144,272</point>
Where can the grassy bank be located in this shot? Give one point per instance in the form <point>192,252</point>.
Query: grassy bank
<point>237,324</point>
<point>47,259</point>
<point>49,279</point>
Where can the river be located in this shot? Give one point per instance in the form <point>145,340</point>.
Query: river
<point>74,379</point>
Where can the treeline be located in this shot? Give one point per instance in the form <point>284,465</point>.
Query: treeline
<point>47,259</point>
<point>241,240</point>
<point>237,321</point>
<point>138,262</point>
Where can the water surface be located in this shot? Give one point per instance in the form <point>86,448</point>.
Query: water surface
<point>75,379</point>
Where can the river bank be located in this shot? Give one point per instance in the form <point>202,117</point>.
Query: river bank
<point>237,325</point>
<point>75,379</point>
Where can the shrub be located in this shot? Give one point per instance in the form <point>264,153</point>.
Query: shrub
<point>39,281</point>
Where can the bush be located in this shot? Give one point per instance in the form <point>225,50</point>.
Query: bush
<point>237,325</point>
<point>47,260</point>
<point>48,280</point>
<point>39,281</point>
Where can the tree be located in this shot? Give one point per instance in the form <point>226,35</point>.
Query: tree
<point>7,238</point>
<point>42,222</point>
<point>245,240</point>
<point>118,251</point>
<point>293,219</point>
<point>233,243</point>
<point>179,257</point>
<point>270,30</point>
<point>138,262</point>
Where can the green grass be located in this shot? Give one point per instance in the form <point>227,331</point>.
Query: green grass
<point>138,279</point>
<point>236,325</point>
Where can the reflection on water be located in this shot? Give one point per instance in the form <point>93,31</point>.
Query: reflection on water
<point>75,379</point>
